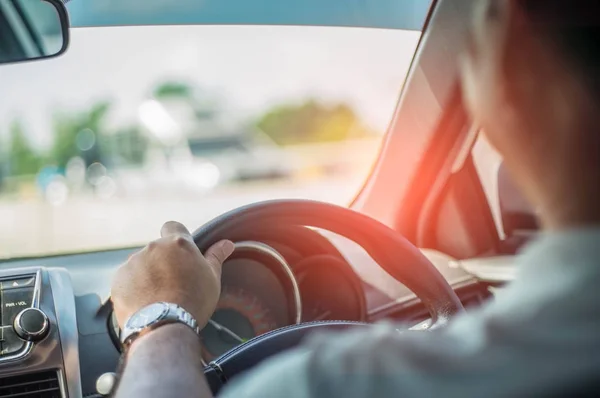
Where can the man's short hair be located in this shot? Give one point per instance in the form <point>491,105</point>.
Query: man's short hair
<point>574,27</point>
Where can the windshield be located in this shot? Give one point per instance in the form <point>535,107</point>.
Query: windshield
<point>138,125</point>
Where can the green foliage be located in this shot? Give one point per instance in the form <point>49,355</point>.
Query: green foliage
<point>68,127</point>
<point>173,90</point>
<point>312,122</point>
<point>22,158</point>
<point>203,107</point>
<point>130,145</point>
<point>82,134</point>
<point>85,133</point>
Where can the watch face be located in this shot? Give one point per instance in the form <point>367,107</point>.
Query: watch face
<point>147,315</point>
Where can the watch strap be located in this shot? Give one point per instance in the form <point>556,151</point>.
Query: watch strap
<point>174,314</point>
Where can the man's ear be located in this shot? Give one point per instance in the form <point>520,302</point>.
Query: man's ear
<point>510,28</point>
<point>491,30</point>
<point>514,11</point>
<point>519,11</point>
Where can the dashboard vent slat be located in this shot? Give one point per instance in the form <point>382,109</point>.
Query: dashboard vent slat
<point>33,385</point>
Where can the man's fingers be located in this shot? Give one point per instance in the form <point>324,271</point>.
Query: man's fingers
<point>218,253</point>
<point>173,228</point>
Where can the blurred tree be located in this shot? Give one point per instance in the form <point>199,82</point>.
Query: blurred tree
<point>312,122</point>
<point>81,134</point>
<point>22,158</point>
<point>173,89</point>
<point>130,145</point>
<point>203,103</point>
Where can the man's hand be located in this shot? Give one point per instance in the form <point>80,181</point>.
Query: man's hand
<point>173,270</point>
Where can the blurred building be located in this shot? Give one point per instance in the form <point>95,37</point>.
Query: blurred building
<point>191,127</point>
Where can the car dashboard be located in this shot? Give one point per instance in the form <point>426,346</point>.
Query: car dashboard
<point>39,340</point>
<point>265,285</point>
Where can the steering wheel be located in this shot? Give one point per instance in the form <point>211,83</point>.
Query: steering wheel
<point>395,254</point>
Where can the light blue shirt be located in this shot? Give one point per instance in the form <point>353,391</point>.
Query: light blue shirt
<point>539,337</point>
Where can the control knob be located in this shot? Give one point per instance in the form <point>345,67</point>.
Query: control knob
<point>31,324</point>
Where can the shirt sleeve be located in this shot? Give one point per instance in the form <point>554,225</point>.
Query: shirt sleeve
<point>375,362</point>
<point>537,337</point>
<point>469,359</point>
<point>286,375</point>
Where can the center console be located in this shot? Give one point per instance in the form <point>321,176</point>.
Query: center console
<point>38,334</point>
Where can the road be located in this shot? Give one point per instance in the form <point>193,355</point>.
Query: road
<point>34,227</point>
<point>83,224</point>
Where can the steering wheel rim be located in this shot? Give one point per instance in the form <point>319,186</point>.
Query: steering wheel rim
<point>383,244</point>
<point>254,351</point>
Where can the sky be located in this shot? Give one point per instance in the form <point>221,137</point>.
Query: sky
<point>250,68</point>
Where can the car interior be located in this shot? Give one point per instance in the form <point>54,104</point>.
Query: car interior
<point>431,233</point>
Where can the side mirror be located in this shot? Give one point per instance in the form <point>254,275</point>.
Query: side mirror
<point>517,214</point>
<point>32,30</point>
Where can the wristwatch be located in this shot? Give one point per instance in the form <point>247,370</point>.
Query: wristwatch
<point>154,316</point>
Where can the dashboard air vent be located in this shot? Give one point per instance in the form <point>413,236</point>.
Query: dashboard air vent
<point>33,385</point>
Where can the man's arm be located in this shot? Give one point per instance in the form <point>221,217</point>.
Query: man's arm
<point>164,364</point>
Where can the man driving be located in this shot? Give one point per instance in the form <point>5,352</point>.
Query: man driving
<point>530,81</point>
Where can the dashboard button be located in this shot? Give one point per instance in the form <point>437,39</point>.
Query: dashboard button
<point>13,302</point>
<point>10,342</point>
<point>106,383</point>
<point>19,283</point>
<point>31,324</point>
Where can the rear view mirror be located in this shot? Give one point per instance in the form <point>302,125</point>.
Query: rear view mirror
<point>32,29</point>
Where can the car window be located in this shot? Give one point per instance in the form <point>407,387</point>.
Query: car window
<point>138,125</point>
<point>515,218</point>
<point>487,162</point>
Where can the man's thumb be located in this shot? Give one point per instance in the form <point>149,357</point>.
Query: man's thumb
<point>219,252</point>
